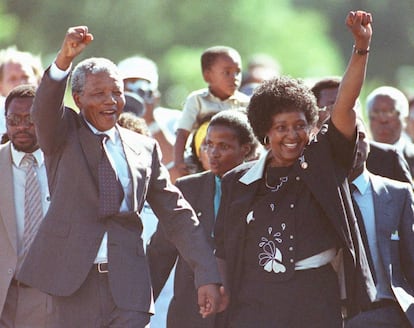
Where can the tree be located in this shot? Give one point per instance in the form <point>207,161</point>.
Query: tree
<point>174,33</point>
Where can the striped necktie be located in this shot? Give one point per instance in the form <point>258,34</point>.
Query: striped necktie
<point>33,212</point>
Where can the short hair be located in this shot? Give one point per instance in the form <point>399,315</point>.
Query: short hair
<point>236,119</point>
<point>325,83</point>
<point>21,91</point>
<point>281,94</point>
<point>93,65</point>
<point>12,55</point>
<point>401,101</point>
<point>210,55</point>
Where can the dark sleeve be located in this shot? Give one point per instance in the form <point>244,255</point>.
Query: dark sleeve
<point>180,224</point>
<point>49,114</point>
<point>162,255</point>
<point>401,169</point>
<point>385,160</point>
<point>342,149</point>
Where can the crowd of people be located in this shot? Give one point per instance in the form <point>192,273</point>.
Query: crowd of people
<point>274,205</point>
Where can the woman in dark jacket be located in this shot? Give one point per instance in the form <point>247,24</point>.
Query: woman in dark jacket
<point>283,218</point>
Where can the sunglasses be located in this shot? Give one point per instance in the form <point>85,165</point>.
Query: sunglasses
<point>142,88</point>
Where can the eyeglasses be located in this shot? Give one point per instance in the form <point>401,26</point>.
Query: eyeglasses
<point>375,115</point>
<point>15,120</point>
<point>142,88</point>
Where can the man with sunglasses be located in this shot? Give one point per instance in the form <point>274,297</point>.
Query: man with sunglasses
<point>20,305</point>
<point>140,76</point>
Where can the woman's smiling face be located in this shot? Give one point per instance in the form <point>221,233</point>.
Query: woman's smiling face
<point>288,137</point>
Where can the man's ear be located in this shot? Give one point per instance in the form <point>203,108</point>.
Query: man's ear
<point>76,98</point>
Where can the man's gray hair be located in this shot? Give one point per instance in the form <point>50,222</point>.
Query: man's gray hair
<point>92,65</point>
<point>401,101</point>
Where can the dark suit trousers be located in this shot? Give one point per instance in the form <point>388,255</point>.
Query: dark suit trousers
<point>92,306</point>
<point>383,317</point>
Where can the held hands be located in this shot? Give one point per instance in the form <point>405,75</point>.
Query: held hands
<point>76,40</point>
<point>359,22</point>
<point>211,299</point>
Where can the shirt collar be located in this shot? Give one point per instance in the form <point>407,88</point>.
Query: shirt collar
<point>217,179</point>
<point>256,171</point>
<point>232,97</point>
<point>17,156</point>
<point>362,182</point>
<point>111,133</point>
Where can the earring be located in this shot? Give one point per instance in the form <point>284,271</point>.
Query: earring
<point>266,140</point>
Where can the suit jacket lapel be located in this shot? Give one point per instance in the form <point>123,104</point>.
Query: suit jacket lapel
<point>131,152</point>
<point>384,222</point>
<point>91,148</point>
<point>7,210</point>
<point>206,201</point>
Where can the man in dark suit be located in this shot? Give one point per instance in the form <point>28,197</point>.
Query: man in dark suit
<point>385,208</point>
<point>383,159</point>
<point>230,141</point>
<point>88,252</point>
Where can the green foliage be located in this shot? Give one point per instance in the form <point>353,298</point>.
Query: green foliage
<point>8,26</point>
<point>308,38</point>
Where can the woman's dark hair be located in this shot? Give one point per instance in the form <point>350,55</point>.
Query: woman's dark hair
<point>280,95</point>
<point>236,119</point>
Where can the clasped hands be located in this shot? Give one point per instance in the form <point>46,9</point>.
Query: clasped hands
<point>212,298</point>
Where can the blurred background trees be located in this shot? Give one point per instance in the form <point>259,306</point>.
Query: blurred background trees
<point>308,38</point>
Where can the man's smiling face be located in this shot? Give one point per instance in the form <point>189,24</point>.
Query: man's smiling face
<point>102,99</point>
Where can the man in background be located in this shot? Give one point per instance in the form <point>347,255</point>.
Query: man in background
<point>24,198</point>
<point>387,111</point>
<point>16,67</point>
<point>140,75</point>
<point>383,159</point>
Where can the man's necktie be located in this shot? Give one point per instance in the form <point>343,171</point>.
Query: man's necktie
<point>33,212</point>
<point>217,195</point>
<point>110,189</point>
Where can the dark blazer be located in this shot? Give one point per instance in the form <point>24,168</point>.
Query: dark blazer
<point>198,189</point>
<point>386,161</point>
<point>69,237</point>
<point>330,189</point>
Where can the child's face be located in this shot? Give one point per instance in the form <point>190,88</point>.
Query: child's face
<point>224,76</point>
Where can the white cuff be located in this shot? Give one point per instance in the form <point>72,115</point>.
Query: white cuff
<point>57,74</point>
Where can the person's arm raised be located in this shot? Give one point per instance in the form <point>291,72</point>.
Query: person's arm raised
<point>75,41</point>
<point>343,116</point>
